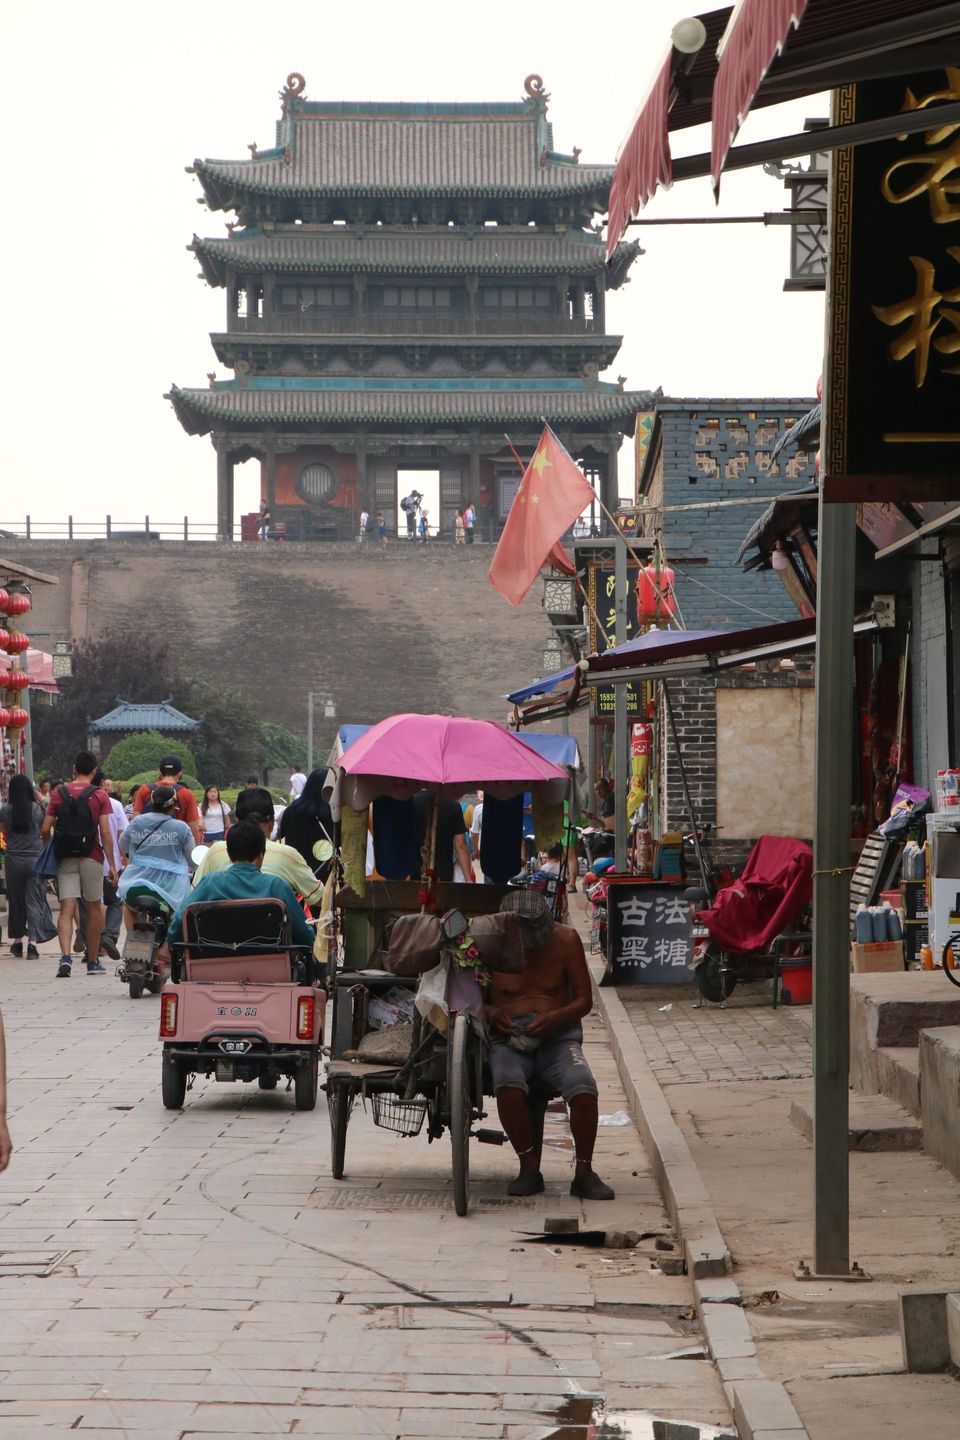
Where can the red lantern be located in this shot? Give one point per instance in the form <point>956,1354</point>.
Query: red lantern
<point>4,717</point>
<point>14,680</point>
<point>18,718</point>
<point>4,638</point>
<point>18,642</point>
<point>655,593</point>
<point>18,604</point>
<point>4,601</point>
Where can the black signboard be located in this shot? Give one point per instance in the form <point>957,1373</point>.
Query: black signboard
<point>894,381</point>
<point>649,934</point>
<point>602,590</point>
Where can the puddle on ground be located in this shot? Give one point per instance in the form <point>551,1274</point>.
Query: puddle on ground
<point>584,1417</point>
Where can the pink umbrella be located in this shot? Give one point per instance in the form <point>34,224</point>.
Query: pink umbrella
<point>407,752</point>
<point>449,755</point>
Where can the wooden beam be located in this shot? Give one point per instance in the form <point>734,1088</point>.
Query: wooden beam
<point>857,489</point>
<point>23,572</point>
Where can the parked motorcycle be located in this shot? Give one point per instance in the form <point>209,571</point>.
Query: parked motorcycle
<point>745,920</point>
<point>139,967</point>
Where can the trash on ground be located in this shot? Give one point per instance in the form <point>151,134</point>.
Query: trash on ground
<point>619,1117</point>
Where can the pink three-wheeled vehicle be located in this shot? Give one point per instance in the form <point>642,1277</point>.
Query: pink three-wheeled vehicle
<point>242,1002</point>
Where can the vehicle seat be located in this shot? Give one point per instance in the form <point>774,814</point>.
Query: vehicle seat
<point>239,940</point>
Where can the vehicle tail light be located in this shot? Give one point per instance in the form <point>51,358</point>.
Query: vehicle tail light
<point>168,1016</point>
<point>306,1013</point>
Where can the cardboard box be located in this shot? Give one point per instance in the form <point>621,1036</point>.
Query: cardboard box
<point>885,955</point>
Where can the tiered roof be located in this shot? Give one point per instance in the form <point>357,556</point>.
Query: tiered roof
<point>320,402</point>
<point>326,148</point>
<point>435,251</point>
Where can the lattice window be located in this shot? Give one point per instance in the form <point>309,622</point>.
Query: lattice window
<point>385,488</point>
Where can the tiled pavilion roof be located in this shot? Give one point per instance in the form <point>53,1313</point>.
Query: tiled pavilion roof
<point>388,251</point>
<point>316,403</point>
<point>348,148</point>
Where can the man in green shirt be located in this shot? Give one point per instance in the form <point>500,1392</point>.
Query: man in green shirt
<point>245,879</point>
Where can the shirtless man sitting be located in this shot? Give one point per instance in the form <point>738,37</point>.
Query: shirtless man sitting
<point>536,1035</point>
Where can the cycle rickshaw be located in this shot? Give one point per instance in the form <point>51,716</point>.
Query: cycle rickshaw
<point>435,1075</point>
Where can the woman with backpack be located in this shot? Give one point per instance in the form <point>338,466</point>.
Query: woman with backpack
<point>28,912</point>
<point>158,849</point>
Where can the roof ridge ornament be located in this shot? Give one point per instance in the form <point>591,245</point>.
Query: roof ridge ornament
<point>534,87</point>
<point>293,90</point>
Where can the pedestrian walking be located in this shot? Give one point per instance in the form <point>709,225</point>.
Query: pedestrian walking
<point>113,909</point>
<point>78,817</point>
<point>381,530</point>
<point>169,773</point>
<point>364,526</point>
<point>423,528</point>
<point>459,529</point>
<point>263,521</point>
<point>469,521</point>
<point>214,815</point>
<point>28,914</point>
<point>297,781</point>
<point>307,822</point>
<point>43,793</point>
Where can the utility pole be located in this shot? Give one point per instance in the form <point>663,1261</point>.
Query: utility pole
<point>620,706</point>
<point>309,731</point>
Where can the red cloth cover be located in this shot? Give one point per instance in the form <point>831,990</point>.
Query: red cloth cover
<point>776,884</point>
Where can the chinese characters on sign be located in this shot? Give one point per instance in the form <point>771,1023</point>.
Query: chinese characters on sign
<point>602,590</point>
<point>649,935</point>
<point>899,217</point>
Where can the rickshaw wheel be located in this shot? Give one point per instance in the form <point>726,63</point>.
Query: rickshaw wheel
<point>135,986</point>
<point>460,1112</point>
<point>173,1084</point>
<point>714,983</point>
<point>267,1082</point>
<point>339,1102</point>
<point>305,1084</point>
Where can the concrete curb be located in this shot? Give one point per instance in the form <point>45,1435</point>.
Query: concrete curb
<point>762,1409</point>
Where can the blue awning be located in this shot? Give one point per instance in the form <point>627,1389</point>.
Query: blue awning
<point>541,687</point>
<point>558,749</point>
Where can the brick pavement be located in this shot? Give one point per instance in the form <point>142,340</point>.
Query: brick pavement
<point>217,1281</point>
<point>746,1040</point>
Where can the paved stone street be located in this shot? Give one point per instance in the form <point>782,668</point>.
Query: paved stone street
<point>207,1276</point>
<point>746,1040</point>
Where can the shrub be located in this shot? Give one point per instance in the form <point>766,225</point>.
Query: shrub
<point>147,777</point>
<point>283,747</point>
<point>142,751</point>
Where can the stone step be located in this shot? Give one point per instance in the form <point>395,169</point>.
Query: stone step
<point>889,1011</point>
<point>940,1087</point>
<point>898,1075</point>
<point>876,1123</point>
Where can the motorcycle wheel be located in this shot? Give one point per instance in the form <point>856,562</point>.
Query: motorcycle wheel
<point>713,983</point>
<point>267,1082</point>
<point>135,986</point>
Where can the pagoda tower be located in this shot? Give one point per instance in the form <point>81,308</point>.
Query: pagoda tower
<point>407,285</point>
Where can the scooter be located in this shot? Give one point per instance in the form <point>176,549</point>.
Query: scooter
<point>139,967</point>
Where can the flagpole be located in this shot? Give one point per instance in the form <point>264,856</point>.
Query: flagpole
<point>576,578</point>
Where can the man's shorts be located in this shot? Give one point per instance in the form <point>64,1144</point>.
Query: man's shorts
<point>558,1065</point>
<point>79,877</point>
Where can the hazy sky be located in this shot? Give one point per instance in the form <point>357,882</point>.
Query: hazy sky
<point>104,105</point>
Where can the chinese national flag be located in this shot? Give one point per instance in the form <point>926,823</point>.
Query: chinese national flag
<point>552,494</point>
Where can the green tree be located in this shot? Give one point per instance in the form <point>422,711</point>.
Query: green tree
<point>282,747</point>
<point>143,751</point>
<point>120,663</point>
<point>228,745</point>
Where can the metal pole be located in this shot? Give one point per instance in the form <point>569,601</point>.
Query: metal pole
<point>28,732</point>
<point>831,889</point>
<point>668,705</point>
<point>309,732</point>
<point>620,707</point>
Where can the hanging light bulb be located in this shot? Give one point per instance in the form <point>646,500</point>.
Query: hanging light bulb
<point>780,559</point>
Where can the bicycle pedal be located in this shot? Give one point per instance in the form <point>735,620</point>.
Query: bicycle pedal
<point>489,1137</point>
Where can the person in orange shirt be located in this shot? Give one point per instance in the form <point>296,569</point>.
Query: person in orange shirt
<point>169,773</point>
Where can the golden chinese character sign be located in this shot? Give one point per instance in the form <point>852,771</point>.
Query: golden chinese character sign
<point>602,590</point>
<point>895,368</point>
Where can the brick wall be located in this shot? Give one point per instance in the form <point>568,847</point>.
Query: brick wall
<point>929,668</point>
<point>409,628</point>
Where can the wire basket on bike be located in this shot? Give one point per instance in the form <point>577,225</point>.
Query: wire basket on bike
<point>404,1117</point>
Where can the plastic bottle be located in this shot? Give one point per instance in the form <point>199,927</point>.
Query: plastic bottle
<point>863,926</point>
<point>908,861</point>
<point>878,916</point>
<point>894,927</point>
<point>926,957</point>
